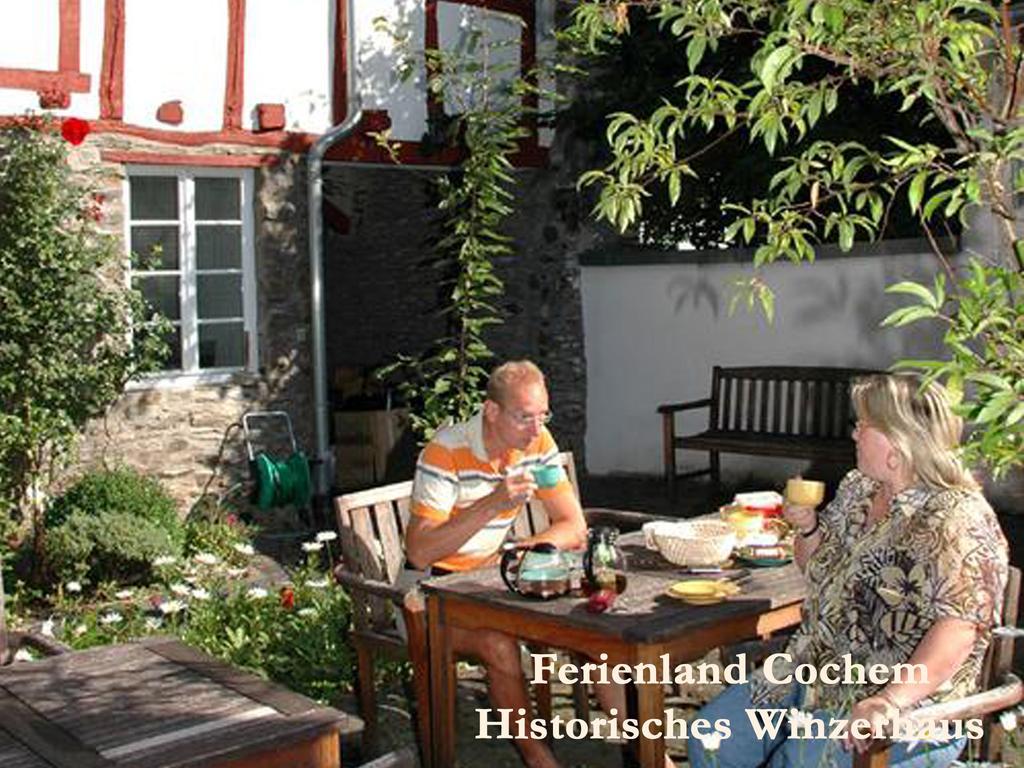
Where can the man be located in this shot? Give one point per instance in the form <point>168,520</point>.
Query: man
<point>470,483</point>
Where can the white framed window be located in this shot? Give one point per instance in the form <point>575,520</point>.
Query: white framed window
<point>190,241</point>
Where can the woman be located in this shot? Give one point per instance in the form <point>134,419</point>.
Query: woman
<point>907,564</point>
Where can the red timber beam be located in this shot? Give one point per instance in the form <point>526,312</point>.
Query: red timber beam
<point>339,105</point>
<point>112,67</point>
<point>234,87</point>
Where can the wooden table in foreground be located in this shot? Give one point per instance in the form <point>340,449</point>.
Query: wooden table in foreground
<point>157,704</point>
<point>646,624</point>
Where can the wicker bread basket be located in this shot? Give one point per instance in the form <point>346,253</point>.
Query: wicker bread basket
<point>695,542</point>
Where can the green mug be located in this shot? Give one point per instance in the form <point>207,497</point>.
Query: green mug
<point>547,476</point>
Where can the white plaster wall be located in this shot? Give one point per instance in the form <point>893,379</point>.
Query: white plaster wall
<point>28,36</point>
<point>288,61</point>
<point>379,58</point>
<point>175,51</point>
<point>29,39</point>
<point>498,47</point>
<point>652,334</point>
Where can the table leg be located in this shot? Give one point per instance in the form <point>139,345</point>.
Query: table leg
<point>647,704</point>
<point>442,685</point>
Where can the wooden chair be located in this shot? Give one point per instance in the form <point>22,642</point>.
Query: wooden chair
<point>372,526</point>
<point>1000,689</point>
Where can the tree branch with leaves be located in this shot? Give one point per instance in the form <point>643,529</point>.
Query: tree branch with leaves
<point>956,62</point>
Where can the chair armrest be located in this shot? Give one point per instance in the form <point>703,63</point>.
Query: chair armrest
<point>1009,693</point>
<point>687,406</point>
<point>370,586</point>
<point>620,518</point>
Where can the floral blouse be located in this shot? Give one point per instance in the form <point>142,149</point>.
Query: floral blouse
<point>876,591</point>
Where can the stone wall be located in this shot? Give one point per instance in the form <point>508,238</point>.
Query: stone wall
<point>382,295</point>
<point>189,437</point>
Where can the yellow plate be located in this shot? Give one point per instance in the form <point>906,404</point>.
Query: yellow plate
<point>702,591</point>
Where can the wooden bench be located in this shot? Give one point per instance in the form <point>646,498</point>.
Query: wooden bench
<point>791,412</point>
<point>372,526</point>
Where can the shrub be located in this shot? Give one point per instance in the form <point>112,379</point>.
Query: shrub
<point>295,632</point>
<point>110,526</point>
<point>64,356</point>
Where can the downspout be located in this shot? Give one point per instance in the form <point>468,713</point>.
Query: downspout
<point>315,162</point>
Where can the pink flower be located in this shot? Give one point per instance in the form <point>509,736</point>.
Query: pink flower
<point>74,130</point>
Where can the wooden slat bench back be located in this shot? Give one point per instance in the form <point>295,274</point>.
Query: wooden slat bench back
<point>785,411</point>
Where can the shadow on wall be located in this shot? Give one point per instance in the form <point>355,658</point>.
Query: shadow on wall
<point>686,289</point>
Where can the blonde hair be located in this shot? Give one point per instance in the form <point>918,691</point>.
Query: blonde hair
<point>918,420</point>
<point>510,375</point>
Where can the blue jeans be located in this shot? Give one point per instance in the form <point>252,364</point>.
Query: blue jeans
<point>744,749</point>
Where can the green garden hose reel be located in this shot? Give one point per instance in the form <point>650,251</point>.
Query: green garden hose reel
<point>277,482</point>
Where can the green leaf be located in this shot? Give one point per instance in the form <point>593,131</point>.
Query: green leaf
<point>695,51</point>
<point>990,379</point>
<point>916,191</point>
<point>915,289</point>
<point>776,66</point>
<point>906,315</point>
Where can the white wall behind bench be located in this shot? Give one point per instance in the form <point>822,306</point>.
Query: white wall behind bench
<point>653,332</point>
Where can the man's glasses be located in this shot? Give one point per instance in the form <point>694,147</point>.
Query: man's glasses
<point>525,420</point>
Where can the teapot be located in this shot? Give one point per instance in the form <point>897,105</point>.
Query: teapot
<point>540,570</point>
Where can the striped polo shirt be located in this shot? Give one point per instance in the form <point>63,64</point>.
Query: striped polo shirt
<point>453,471</point>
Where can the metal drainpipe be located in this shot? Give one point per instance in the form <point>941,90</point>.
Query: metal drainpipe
<point>315,162</point>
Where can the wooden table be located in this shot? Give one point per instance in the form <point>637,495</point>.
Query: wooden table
<point>157,704</point>
<point>646,624</point>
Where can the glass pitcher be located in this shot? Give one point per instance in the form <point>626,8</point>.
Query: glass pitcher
<point>604,563</point>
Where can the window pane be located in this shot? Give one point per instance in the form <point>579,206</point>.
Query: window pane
<point>154,197</point>
<point>161,293</point>
<point>217,199</point>
<point>220,296</point>
<point>221,345</point>
<point>219,246</point>
<point>154,247</point>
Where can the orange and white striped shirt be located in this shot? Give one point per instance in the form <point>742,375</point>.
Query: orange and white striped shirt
<point>453,472</point>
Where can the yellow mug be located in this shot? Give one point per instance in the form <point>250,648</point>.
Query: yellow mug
<point>805,493</point>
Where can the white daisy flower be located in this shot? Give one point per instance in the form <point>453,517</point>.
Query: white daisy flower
<point>111,618</point>
<point>171,607</point>
<point>153,623</point>
<point>47,628</point>
<point>1008,720</point>
<point>180,589</point>
<point>235,573</point>
<point>305,612</point>
<point>206,558</point>
<point>316,583</point>
<point>163,560</point>
<point>326,536</point>
<point>200,594</point>
<point>124,594</point>
<point>80,630</point>
<point>245,549</point>
<point>256,593</point>
<point>73,586</point>
<point>312,546</point>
